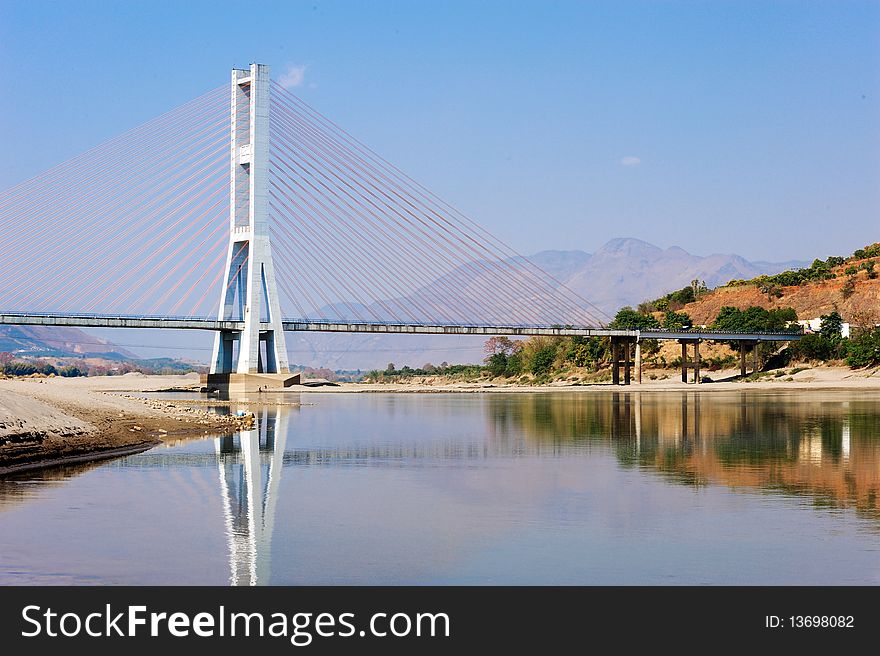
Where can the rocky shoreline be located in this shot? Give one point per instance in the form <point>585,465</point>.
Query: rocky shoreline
<point>50,423</point>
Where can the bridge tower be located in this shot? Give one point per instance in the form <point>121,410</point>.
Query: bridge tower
<point>248,288</point>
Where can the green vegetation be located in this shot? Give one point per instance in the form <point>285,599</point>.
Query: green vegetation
<point>29,366</point>
<point>20,368</point>
<point>819,270</point>
<point>677,321</point>
<point>393,375</point>
<point>755,319</point>
<point>677,299</point>
<point>629,319</point>
<point>863,350</point>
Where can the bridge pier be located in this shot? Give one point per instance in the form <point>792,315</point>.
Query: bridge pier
<point>621,357</point>
<point>743,343</point>
<point>639,361</point>
<point>694,363</point>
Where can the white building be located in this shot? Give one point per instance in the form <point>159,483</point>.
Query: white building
<point>814,325</point>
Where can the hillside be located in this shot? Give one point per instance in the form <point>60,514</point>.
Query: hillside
<point>853,294</point>
<point>71,351</point>
<point>57,341</point>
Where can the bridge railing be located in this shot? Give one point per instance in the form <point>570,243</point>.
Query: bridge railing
<point>106,315</point>
<point>712,331</point>
<point>340,325</point>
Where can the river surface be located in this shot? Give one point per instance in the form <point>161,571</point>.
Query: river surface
<point>752,487</point>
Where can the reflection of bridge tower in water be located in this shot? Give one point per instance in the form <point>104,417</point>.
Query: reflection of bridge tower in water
<point>250,466</point>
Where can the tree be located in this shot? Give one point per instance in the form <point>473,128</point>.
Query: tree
<point>496,364</point>
<point>390,368</point>
<point>863,349</point>
<point>70,372</point>
<point>698,287</point>
<point>684,295</point>
<point>677,321</point>
<point>753,319</point>
<point>542,360</point>
<point>588,352</point>
<point>503,345</point>
<point>629,319</point>
<point>811,347</point>
<point>831,327</point>
<point>514,364</point>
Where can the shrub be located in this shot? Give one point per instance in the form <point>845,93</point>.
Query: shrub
<point>811,347</point>
<point>542,360</point>
<point>863,349</point>
<point>627,318</point>
<point>496,364</point>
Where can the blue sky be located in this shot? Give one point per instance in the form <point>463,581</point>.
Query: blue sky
<point>747,127</point>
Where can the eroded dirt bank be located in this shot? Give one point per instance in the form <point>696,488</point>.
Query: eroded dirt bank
<point>56,420</point>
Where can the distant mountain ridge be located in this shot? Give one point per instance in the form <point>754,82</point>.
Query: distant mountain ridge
<point>624,271</point>
<point>58,341</point>
<point>627,271</point>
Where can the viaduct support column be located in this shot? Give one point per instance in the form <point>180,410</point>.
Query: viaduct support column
<point>742,358</point>
<point>692,364</point>
<point>684,361</point>
<point>639,362</point>
<point>615,361</point>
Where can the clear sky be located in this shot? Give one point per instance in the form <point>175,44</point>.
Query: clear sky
<point>747,127</point>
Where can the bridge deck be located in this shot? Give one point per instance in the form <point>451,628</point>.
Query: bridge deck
<point>299,325</point>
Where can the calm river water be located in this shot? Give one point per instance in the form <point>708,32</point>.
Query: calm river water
<point>776,487</point>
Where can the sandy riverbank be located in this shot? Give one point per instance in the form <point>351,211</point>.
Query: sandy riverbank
<point>816,378</point>
<point>46,421</point>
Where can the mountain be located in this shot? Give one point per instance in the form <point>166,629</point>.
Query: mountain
<point>58,341</point>
<point>624,271</point>
<point>627,271</point>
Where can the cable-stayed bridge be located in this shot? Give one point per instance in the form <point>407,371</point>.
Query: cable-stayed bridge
<point>249,213</point>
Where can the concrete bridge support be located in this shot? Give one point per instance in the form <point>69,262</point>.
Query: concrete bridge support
<point>621,357</point>
<point>693,363</point>
<point>249,290</point>
<point>639,361</point>
<point>743,347</point>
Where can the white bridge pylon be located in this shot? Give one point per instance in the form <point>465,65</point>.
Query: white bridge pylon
<point>248,288</point>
